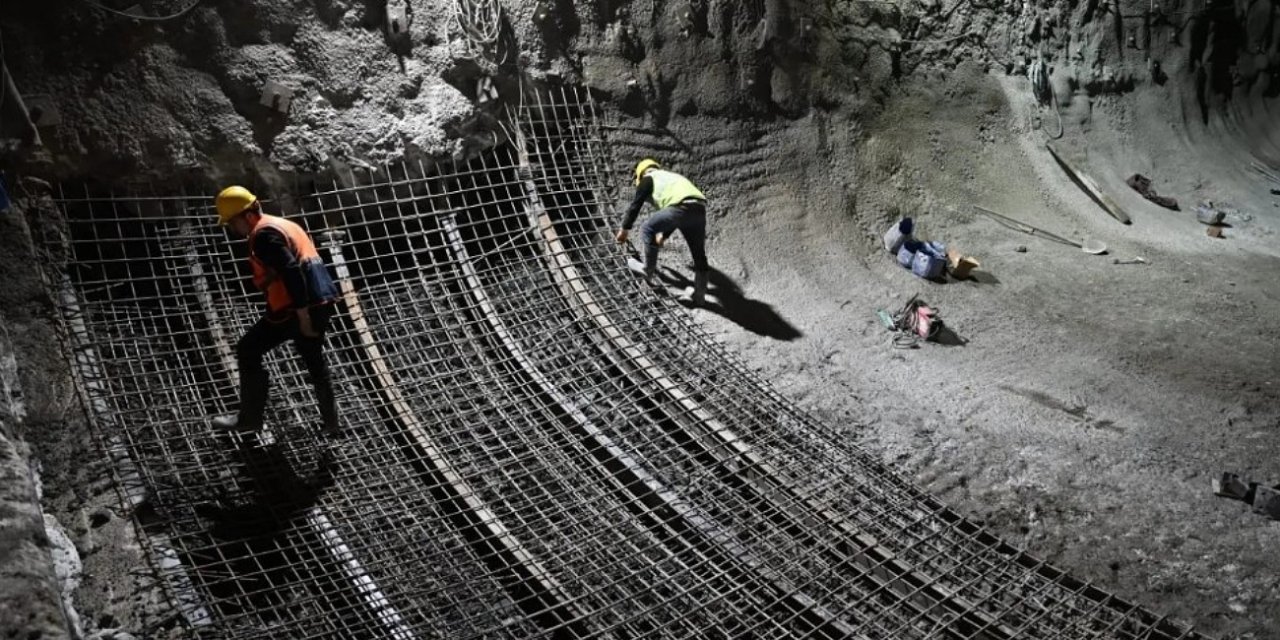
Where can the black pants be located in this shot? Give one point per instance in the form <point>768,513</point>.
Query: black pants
<point>691,219</point>
<point>255,383</point>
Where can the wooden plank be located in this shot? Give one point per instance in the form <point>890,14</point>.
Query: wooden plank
<point>1090,187</point>
<point>560,610</point>
<point>204,296</point>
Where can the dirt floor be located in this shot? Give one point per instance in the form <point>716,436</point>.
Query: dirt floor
<point>1090,404</point>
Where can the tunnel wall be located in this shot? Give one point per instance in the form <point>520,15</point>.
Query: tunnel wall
<point>536,444</point>
<point>30,598</point>
<point>185,96</point>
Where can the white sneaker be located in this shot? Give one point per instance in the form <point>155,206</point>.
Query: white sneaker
<point>637,268</point>
<point>690,298</point>
<point>225,423</point>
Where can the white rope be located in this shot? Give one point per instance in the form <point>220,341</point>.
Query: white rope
<point>479,20</point>
<point>184,11</point>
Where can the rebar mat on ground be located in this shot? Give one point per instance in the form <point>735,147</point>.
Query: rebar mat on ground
<point>535,446</point>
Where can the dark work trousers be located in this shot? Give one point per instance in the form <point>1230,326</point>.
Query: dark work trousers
<point>255,383</point>
<point>691,219</point>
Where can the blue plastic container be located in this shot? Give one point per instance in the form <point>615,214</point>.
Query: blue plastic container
<point>907,252</point>
<point>930,260</point>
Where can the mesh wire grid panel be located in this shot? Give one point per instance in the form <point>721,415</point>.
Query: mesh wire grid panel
<point>535,444</point>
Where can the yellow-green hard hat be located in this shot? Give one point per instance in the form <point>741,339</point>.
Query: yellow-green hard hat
<point>645,165</point>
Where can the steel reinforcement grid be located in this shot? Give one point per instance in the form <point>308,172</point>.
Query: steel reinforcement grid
<point>535,443</point>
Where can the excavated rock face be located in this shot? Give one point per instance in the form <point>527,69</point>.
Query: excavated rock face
<point>187,94</point>
<point>1221,60</point>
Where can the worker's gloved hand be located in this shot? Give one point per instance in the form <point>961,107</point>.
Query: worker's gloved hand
<point>659,239</point>
<point>622,236</point>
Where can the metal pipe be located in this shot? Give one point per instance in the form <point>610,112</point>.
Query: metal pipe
<point>11,88</point>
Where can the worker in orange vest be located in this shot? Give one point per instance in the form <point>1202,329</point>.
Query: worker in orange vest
<point>300,301</point>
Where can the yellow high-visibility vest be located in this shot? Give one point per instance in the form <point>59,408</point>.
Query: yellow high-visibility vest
<point>671,188</point>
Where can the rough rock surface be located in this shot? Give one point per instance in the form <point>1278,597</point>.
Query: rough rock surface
<point>186,95</point>
<point>29,595</point>
<point>38,565</point>
<point>112,589</point>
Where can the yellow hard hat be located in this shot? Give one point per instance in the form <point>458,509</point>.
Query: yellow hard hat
<point>645,165</point>
<point>232,202</point>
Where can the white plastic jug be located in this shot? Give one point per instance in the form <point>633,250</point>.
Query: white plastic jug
<point>897,234</point>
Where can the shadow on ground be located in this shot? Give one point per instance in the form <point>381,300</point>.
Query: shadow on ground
<point>725,298</point>
<point>947,337</point>
<point>271,493</point>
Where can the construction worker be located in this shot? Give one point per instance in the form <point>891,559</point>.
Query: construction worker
<point>680,205</point>
<point>300,301</point>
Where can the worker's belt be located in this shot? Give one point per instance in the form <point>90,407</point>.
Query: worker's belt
<point>696,201</point>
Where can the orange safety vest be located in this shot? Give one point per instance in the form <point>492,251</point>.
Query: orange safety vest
<point>264,277</point>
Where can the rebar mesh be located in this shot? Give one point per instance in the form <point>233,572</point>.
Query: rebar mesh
<point>535,444</point>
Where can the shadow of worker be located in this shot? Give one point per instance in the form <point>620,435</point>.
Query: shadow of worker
<point>259,530</point>
<point>271,496</point>
<point>725,298</point>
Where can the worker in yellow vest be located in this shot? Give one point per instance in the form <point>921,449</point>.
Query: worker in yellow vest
<point>681,206</point>
<point>300,298</point>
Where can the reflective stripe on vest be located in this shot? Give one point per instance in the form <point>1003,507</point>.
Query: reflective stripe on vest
<point>671,188</point>
<point>278,298</point>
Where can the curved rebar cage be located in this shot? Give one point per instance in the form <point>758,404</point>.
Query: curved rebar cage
<point>537,445</point>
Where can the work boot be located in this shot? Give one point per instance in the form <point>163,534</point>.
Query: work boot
<point>331,428</point>
<point>697,294</point>
<point>328,409</point>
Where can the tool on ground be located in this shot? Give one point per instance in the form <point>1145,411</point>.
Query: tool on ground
<point>1090,187</point>
<point>916,322</point>
<point>1137,260</point>
<point>1094,247</point>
